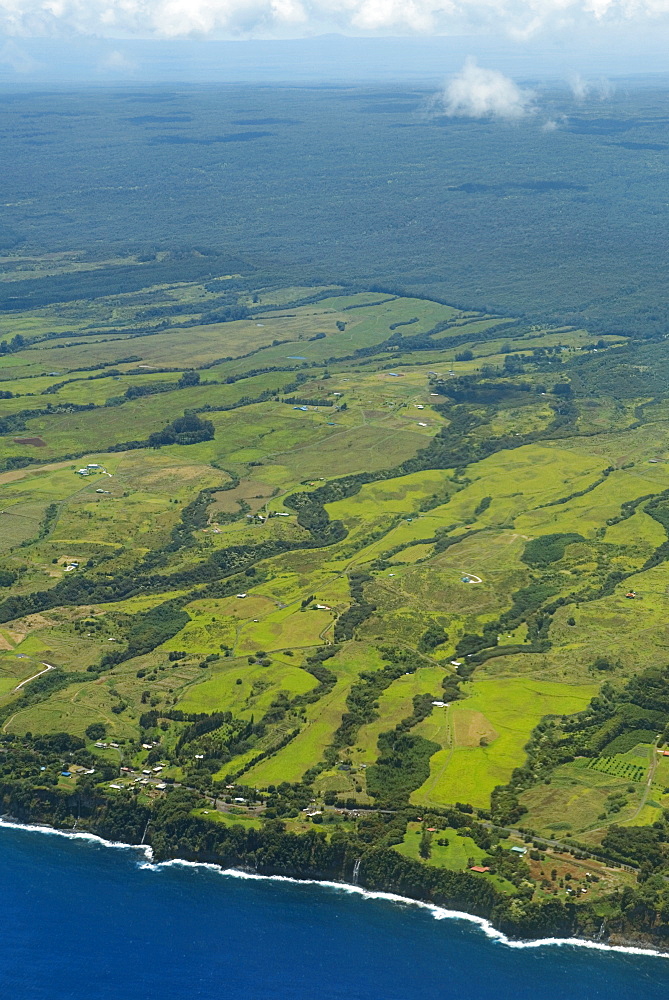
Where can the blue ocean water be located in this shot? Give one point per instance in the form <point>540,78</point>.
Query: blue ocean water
<point>85,921</point>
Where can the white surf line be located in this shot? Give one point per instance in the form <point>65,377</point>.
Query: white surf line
<point>49,666</point>
<point>10,824</point>
<point>438,912</point>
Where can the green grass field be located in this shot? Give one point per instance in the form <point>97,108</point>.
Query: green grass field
<point>456,855</point>
<point>484,735</point>
<point>443,540</point>
<point>323,718</point>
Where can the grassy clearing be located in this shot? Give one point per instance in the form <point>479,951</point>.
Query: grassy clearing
<point>575,801</point>
<point>245,689</point>
<point>484,736</point>
<point>323,718</point>
<point>395,704</point>
<point>291,628</point>
<point>228,818</point>
<point>458,855</point>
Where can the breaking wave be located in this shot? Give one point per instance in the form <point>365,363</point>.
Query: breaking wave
<point>438,912</point>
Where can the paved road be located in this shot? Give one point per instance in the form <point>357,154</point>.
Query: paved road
<point>48,666</point>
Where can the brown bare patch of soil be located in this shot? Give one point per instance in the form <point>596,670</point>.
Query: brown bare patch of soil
<point>15,474</point>
<point>35,442</point>
<point>470,727</point>
<point>165,479</point>
<point>23,626</point>
<point>253,493</point>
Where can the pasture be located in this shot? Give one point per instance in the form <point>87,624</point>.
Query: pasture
<point>483,736</point>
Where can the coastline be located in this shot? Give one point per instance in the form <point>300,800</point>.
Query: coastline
<point>438,912</point>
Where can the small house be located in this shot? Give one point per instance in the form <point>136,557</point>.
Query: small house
<point>519,850</point>
<point>479,868</point>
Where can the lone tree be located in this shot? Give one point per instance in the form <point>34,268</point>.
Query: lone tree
<point>191,377</point>
<point>96,731</point>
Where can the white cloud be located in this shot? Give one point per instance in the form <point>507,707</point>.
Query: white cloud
<point>477,92</point>
<point>604,88</point>
<point>579,86</point>
<point>412,15</point>
<point>582,88</point>
<point>118,62</point>
<point>17,60</point>
<point>519,19</point>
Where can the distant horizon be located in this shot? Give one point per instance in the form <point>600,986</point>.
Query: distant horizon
<point>327,59</point>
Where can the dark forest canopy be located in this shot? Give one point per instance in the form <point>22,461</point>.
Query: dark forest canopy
<point>561,224</point>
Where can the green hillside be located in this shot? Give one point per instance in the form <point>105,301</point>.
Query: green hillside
<point>344,560</point>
